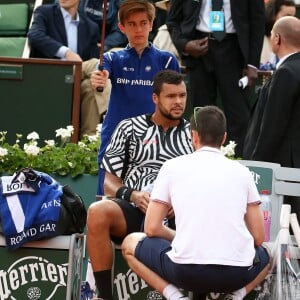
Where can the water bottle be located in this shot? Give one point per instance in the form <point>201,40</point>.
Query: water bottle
<point>266,207</point>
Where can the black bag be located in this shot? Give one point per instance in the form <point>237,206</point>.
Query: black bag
<point>73,213</point>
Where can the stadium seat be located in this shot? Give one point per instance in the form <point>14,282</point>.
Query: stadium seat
<point>14,21</point>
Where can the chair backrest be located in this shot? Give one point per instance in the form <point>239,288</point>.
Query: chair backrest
<point>287,181</point>
<point>264,177</point>
<point>14,20</point>
<point>288,184</point>
<point>12,46</point>
<point>27,49</point>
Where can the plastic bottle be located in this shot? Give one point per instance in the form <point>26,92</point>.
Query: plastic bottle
<point>266,207</point>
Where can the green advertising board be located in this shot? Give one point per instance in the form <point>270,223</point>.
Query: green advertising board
<point>128,285</point>
<point>48,269</point>
<point>262,178</point>
<point>31,273</point>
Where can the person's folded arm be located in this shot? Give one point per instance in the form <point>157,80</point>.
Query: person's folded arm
<point>154,226</point>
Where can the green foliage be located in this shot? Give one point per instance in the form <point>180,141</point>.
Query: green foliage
<point>58,156</point>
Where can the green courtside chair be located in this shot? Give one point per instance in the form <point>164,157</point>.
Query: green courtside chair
<point>14,22</point>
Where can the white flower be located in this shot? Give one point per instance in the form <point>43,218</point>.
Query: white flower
<point>81,145</point>
<point>63,133</point>
<point>33,136</point>
<point>3,152</point>
<point>99,128</point>
<point>70,164</point>
<point>93,138</point>
<point>2,135</point>
<point>31,149</point>
<point>70,128</point>
<point>50,143</point>
<point>228,150</point>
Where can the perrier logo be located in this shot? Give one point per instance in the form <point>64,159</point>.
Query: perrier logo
<point>34,278</point>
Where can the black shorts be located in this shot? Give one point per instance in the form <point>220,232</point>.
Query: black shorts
<point>133,216</point>
<point>152,252</point>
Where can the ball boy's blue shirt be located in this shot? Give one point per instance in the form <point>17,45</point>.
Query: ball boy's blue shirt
<point>131,94</point>
<point>132,79</point>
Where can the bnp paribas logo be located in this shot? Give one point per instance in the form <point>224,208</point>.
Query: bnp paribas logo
<point>33,278</point>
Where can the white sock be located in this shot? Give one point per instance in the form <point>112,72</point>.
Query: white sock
<point>239,294</point>
<point>171,292</point>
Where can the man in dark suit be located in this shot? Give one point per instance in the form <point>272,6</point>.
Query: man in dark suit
<point>216,61</point>
<point>60,31</point>
<point>274,131</point>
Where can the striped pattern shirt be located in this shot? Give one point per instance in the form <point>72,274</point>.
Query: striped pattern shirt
<point>138,148</point>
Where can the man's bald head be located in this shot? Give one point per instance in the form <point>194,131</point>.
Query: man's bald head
<point>288,29</point>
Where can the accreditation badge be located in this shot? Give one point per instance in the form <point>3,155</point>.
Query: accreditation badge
<point>216,21</point>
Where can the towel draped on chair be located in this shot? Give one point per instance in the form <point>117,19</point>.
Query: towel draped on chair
<point>29,207</point>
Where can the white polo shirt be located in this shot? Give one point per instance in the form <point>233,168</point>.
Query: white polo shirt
<point>209,194</point>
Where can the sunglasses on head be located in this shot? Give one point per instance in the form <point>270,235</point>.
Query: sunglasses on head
<point>195,115</point>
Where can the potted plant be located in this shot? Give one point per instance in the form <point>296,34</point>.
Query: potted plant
<point>57,156</point>
<point>69,163</point>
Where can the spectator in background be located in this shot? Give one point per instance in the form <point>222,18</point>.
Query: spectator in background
<point>131,71</point>
<point>274,131</point>
<point>114,38</point>
<point>60,31</point>
<point>275,9</point>
<point>137,149</point>
<point>163,39</point>
<point>160,19</point>
<point>216,60</point>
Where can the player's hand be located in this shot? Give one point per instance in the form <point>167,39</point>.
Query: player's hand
<point>99,79</point>
<point>140,199</point>
<point>197,48</point>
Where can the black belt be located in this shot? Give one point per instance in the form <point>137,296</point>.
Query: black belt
<point>201,34</point>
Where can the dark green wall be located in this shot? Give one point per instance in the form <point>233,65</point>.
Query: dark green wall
<point>41,101</point>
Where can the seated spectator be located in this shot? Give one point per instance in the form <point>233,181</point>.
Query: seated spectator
<point>219,226</point>
<point>275,9</point>
<point>92,112</point>
<point>59,31</point>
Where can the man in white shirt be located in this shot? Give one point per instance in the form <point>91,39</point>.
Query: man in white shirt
<point>219,225</point>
